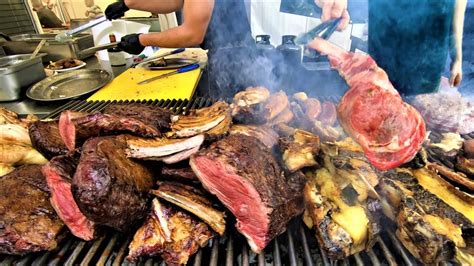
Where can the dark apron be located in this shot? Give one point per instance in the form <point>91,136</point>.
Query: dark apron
<point>233,62</point>
<point>410,40</point>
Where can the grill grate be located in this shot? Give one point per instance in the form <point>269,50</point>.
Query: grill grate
<point>296,246</point>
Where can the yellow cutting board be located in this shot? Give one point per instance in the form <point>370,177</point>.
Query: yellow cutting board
<point>125,87</point>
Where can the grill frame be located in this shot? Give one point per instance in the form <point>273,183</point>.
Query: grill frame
<point>296,246</point>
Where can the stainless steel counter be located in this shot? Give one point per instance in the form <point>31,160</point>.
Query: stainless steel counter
<point>26,106</point>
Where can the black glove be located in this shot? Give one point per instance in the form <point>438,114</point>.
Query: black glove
<point>131,44</point>
<point>116,10</point>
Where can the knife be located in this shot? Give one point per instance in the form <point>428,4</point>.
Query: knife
<point>153,58</point>
<point>177,71</point>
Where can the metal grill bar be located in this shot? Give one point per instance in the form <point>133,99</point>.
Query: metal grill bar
<point>296,246</point>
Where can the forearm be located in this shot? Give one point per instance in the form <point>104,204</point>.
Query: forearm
<point>173,38</point>
<point>155,6</point>
<point>458,24</point>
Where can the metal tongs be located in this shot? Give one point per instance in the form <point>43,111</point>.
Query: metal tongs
<point>67,35</point>
<point>328,27</point>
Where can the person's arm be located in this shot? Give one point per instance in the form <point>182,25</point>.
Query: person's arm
<point>334,9</point>
<point>155,6</point>
<point>458,24</point>
<point>196,17</point>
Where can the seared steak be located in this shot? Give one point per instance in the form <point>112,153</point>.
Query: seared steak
<point>74,128</point>
<point>59,172</point>
<point>46,139</point>
<point>245,176</point>
<point>150,115</point>
<point>171,233</point>
<point>28,222</point>
<point>109,188</point>
<point>194,201</point>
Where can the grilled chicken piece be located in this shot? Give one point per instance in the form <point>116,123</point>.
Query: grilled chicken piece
<point>434,223</point>
<point>170,233</point>
<point>194,201</point>
<point>11,154</point>
<point>14,134</point>
<point>199,121</point>
<point>458,178</point>
<point>341,203</point>
<point>265,134</point>
<point>301,151</point>
<point>163,149</point>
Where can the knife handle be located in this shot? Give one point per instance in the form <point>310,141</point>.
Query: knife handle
<point>187,68</point>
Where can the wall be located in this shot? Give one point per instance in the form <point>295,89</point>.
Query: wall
<point>77,8</point>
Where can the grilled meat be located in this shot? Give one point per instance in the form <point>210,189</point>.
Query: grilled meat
<point>14,134</point>
<point>74,129</point>
<point>247,179</point>
<point>458,178</point>
<point>284,117</point>
<point>5,169</point>
<point>260,110</point>
<point>433,222</point>
<point>328,115</point>
<point>468,147</point>
<point>10,117</point>
<point>301,151</point>
<point>372,111</point>
<point>194,201</point>
<point>152,116</point>
<point>46,139</point>
<point>312,108</point>
<point>178,173</point>
<point>220,130</point>
<point>169,232</point>
<point>199,121</point>
<point>109,188</point>
<point>59,172</point>
<point>338,199</point>
<point>28,222</point>
<point>465,165</point>
<point>163,149</point>
<point>11,154</point>
<point>265,134</point>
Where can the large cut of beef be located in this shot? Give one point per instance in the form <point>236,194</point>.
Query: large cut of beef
<point>109,188</point>
<point>242,172</point>
<point>46,139</point>
<point>372,111</point>
<point>28,222</point>
<point>75,128</point>
<point>59,172</point>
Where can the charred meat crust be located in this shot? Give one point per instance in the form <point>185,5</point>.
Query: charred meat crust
<point>153,116</point>
<point>110,188</point>
<point>28,222</point>
<point>46,139</point>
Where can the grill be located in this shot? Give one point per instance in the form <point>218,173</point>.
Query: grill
<point>296,246</point>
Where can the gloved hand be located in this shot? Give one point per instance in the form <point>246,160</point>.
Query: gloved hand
<point>131,44</point>
<point>116,10</point>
